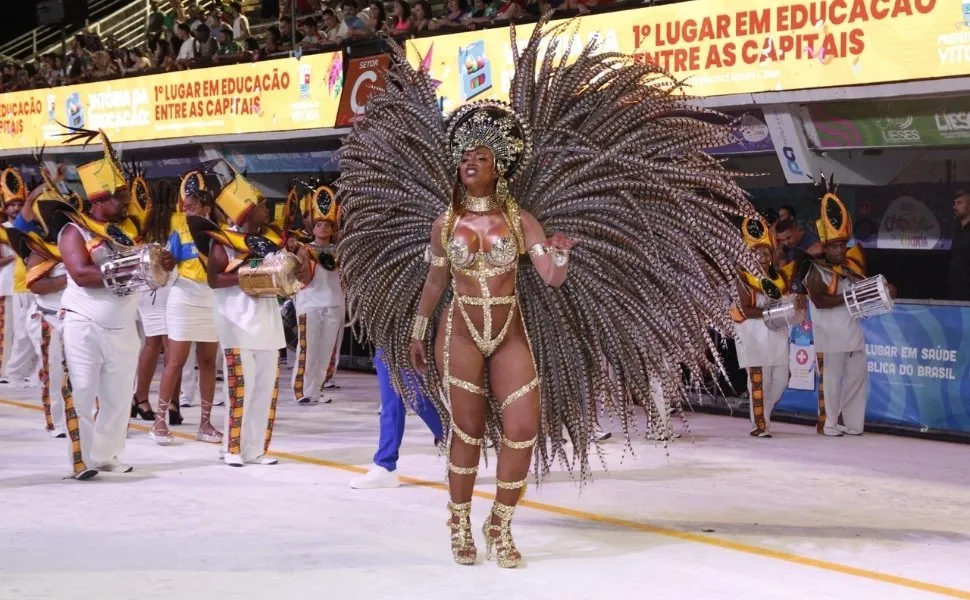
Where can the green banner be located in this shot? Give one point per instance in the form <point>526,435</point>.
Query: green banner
<point>938,122</point>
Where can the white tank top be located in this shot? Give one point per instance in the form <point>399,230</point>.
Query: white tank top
<point>98,304</point>
<point>757,345</point>
<point>834,328</point>
<point>245,322</point>
<point>52,302</point>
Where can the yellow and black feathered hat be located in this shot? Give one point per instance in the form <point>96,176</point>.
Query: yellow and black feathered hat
<point>757,234</point>
<point>103,177</point>
<point>139,197</point>
<point>307,203</point>
<point>27,243</point>
<point>246,246</point>
<point>239,197</point>
<point>52,192</point>
<point>12,186</point>
<point>320,205</point>
<point>194,181</point>
<point>834,224</point>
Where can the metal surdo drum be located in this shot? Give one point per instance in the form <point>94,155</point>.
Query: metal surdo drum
<point>136,270</point>
<point>274,276</point>
<point>868,297</point>
<point>782,314</point>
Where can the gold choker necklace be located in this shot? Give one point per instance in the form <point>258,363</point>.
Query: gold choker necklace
<point>481,204</point>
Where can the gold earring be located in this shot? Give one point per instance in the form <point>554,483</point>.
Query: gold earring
<point>502,189</point>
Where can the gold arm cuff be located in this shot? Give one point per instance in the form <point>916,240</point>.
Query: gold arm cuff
<point>420,328</point>
<point>538,250</point>
<point>435,261</point>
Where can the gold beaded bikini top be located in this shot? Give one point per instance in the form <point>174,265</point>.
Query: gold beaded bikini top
<point>502,254</point>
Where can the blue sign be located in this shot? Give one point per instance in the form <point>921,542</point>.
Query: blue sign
<point>284,162</point>
<point>919,369</point>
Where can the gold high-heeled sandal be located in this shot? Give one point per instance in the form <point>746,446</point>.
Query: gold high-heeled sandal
<point>462,542</point>
<point>506,554</point>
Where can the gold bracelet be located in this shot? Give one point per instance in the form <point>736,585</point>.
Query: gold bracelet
<point>420,328</point>
<point>434,261</point>
<point>538,250</point>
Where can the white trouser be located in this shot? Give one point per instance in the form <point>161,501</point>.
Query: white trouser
<point>19,358</point>
<point>46,333</point>
<point>252,385</point>
<point>845,378</point>
<point>318,330</point>
<point>765,387</point>
<point>101,364</point>
<point>190,377</point>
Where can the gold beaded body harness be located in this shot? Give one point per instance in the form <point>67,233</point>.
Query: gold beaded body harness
<point>501,258</point>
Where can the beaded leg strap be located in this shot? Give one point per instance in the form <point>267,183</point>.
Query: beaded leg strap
<point>464,437</point>
<point>522,391</point>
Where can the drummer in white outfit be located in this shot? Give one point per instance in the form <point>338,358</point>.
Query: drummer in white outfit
<point>250,328</point>
<point>319,305</point>
<point>189,312</point>
<point>763,352</point>
<point>19,359</point>
<point>46,278</point>
<point>839,341</point>
<point>100,337</point>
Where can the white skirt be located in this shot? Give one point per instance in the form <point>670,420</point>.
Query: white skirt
<point>189,313</point>
<point>151,312</point>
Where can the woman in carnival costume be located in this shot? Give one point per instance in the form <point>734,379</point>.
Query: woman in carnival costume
<point>595,173</point>
<point>189,311</point>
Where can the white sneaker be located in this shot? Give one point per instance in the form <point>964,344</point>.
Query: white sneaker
<point>847,431</point>
<point>83,475</point>
<point>57,432</point>
<point>832,431</point>
<point>377,477</point>
<point>114,466</point>
<point>263,460</point>
<point>233,460</point>
<point>601,436</point>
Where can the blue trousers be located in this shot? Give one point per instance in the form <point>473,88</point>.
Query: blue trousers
<point>392,416</point>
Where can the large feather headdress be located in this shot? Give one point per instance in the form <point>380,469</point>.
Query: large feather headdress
<point>612,158</point>
<point>495,126</point>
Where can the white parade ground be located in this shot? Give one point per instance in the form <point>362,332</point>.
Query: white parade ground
<point>717,515</point>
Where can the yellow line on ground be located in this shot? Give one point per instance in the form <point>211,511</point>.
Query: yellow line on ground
<point>621,523</point>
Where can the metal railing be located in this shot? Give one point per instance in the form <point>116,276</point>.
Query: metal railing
<point>48,38</point>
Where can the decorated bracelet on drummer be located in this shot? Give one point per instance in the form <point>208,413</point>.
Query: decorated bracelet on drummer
<point>420,328</point>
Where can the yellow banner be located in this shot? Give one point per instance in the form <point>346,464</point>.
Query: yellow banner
<point>276,95</point>
<point>735,46</point>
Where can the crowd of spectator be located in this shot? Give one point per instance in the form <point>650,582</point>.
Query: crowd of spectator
<point>182,34</point>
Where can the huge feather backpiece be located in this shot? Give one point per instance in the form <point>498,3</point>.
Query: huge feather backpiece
<point>617,164</point>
